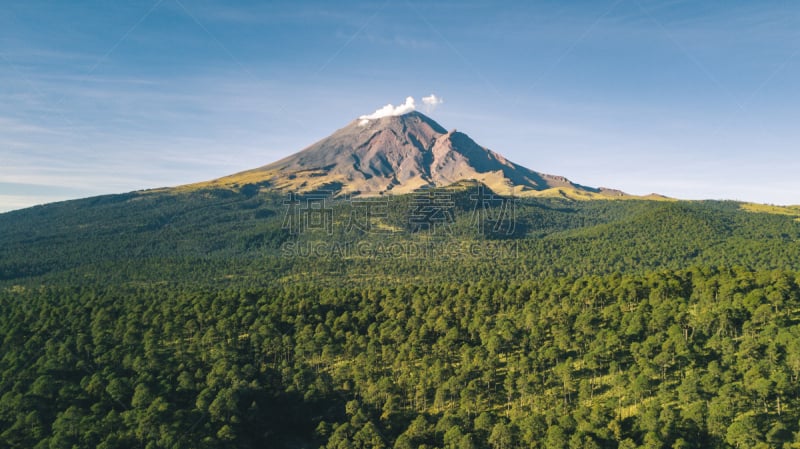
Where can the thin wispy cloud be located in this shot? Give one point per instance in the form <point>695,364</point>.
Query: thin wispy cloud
<point>10,125</point>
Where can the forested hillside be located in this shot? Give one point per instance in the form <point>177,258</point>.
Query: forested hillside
<point>210,319</point>
<point>217,235</point>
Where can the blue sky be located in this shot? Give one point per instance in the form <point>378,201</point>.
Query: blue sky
<point>685,98</point>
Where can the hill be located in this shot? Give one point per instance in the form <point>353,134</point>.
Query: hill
<point>157,232</point>
<point>236,313</point>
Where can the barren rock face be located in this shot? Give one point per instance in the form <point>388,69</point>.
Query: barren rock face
<point>393,155</point>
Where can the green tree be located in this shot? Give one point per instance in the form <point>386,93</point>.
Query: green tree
<point>743,433</point>
<point>501,437</point>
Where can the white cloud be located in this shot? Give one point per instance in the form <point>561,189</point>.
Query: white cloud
<point>432,100</point>
<point>390,110</point>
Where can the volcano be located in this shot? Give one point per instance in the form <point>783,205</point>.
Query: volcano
<point>398,155</point>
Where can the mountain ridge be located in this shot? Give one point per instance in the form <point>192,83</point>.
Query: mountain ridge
<point>400,154</point>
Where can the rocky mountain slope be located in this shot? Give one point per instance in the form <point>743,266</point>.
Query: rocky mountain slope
<point>397,155</point>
